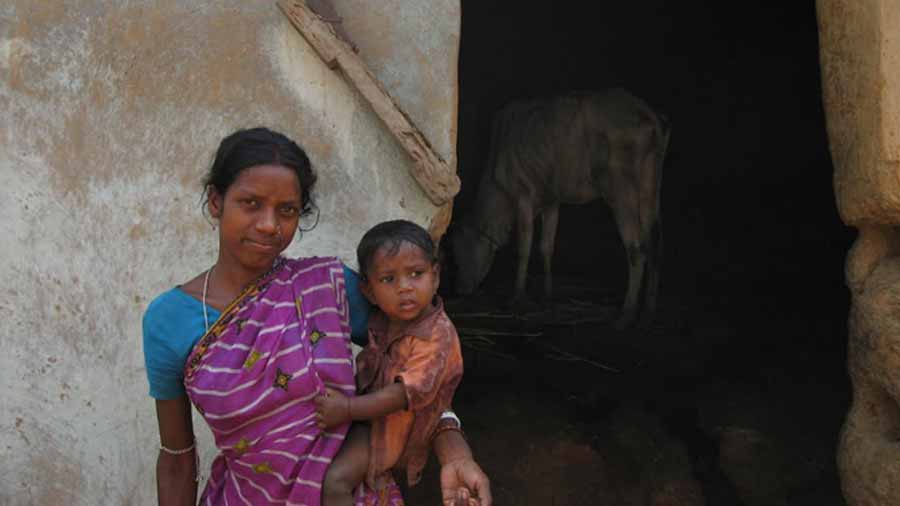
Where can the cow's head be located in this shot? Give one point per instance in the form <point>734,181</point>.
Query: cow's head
<point>474,254</point>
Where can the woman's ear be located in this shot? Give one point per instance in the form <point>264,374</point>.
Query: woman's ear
<point>214,202</point>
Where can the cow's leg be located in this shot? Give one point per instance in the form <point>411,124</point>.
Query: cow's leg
<point>524,234</point>
<point>628,220</point>
<point>654,265</point>
<point>549,221</point>
<point>651,226</point>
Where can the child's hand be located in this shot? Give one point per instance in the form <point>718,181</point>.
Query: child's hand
<point>332,409</point>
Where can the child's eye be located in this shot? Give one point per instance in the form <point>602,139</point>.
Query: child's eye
<point>386,279</point>
<point>416,274</point>
<point>252,203</point>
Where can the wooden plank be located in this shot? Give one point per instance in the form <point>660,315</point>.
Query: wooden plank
<point>436,178</point>
<point>439,223</point>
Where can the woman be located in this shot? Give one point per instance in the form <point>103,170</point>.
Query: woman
<point>253,339</point>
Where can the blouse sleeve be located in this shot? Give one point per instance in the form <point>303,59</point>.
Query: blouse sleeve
<point>359,308</point>
<point>433,370</point>
<point>165,368</point>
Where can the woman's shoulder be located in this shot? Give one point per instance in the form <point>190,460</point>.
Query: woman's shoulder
<point>169,306</point>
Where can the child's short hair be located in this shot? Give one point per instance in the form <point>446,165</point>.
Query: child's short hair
<point>391,235</point>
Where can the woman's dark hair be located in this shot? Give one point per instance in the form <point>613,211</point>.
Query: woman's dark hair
<point>392,235</point>
<point>260,146</point>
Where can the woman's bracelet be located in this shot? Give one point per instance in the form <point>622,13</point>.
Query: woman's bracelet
<point>450,415</point>
<point>448,423</point>
<point>178,452</point>
<point>183,451</point>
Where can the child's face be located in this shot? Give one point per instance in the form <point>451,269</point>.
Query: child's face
<point>402,285</point>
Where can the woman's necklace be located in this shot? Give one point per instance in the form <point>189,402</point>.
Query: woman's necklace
<point>205,289</point>
<point>275,265</point>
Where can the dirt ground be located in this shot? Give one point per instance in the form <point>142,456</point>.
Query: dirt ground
<point>561,409</point>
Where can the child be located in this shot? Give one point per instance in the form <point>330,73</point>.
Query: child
<point>407,374</point>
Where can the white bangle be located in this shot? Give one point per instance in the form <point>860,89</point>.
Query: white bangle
<point>450,415</point>
<point>178,452</point>
<point>182,452</point>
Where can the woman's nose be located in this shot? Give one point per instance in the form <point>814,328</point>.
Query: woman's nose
<point>267,222</point>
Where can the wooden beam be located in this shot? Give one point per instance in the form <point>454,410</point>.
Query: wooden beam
<point>439,223</point>
<point>436,178</point>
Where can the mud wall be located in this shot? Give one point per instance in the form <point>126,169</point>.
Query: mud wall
<point>109,115</point>
<point>860,57</point>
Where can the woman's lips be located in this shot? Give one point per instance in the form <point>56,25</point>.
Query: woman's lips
<point>261,245</point>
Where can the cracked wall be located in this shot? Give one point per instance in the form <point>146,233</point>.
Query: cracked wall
<point>860,58</point>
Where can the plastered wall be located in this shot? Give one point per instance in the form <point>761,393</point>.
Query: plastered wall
<point>109,115</point>
<point>860,58</point>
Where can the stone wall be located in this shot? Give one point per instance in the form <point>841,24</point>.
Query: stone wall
<point>860,57</point>
<point>109,115</point>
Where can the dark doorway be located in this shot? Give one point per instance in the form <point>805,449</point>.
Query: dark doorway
<point>752,328</point>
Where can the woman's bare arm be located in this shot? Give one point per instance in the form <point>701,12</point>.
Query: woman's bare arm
<point>459,470</point>
<point>175,474</point>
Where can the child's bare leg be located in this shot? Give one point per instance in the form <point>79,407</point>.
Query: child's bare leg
<point>348,469</point>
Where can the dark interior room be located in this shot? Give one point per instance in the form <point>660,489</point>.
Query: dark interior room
<point>735,393</point>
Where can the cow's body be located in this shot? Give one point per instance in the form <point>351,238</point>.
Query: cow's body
<point>570,150</point>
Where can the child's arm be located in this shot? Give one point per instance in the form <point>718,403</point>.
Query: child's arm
<point>335,408</point>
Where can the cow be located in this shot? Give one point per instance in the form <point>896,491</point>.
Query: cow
<point>570,149</point>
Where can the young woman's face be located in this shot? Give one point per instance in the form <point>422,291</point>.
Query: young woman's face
<point>402,285</point>
<point>258,215</point>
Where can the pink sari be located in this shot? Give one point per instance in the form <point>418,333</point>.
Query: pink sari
<point>253,377</point>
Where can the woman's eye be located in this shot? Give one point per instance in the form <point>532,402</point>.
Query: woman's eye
<point>415,274</point>
<point>290,211</point>
<point>253,203</point>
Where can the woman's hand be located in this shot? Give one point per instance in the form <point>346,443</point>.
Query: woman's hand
<point>332,408</point>
<point>463,483</point>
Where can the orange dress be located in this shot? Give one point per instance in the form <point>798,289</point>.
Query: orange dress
<point>425,356</point>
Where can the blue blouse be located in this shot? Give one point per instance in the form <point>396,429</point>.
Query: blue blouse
<point>174,322</point>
